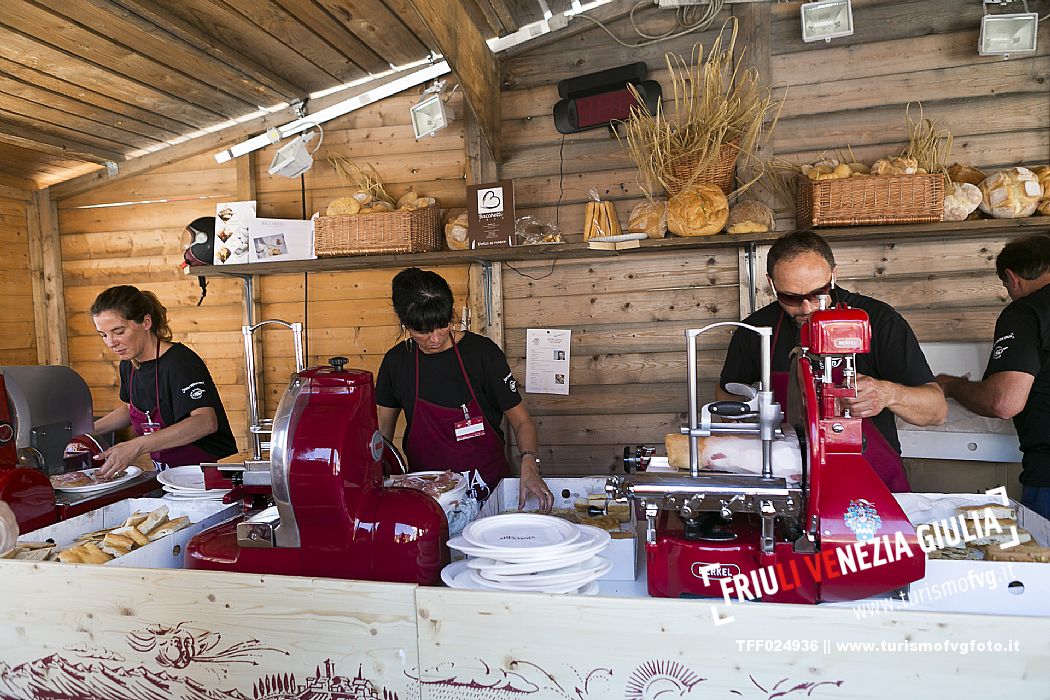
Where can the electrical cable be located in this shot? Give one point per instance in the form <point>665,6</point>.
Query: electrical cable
<point>549,273</point>
<point>683,18</point>
<point>561,182</point>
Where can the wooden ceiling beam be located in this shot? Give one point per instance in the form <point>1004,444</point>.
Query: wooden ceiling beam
<point>372,22</point>
<point>176,26</point>
<point>506,17</point>
<point>118,23</point>
<point>341,39</point>
<point>489,14</point>
<point>46,26</point>
<point>17,135</point>
<point>477,68</point>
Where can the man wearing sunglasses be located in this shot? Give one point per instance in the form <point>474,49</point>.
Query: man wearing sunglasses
<point>1016,383</point>
<point>893,379</point>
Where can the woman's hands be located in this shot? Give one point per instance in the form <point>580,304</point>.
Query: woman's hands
<point>120,457</point>
<point>532,484</point>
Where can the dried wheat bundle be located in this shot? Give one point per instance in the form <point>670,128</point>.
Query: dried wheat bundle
<point>780,178</point>
<point>717,102</point>
<point>353,174</point>
<point>930,146</point>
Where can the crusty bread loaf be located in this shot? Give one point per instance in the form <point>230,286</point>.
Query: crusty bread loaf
<point>960,200</point>
<point>895,166</point>
<point>964,173</point>
<point>750,216</point>
<point>649,217</point>
<point>406,199</point>
<point>1043,173</point>
<point>456,233</point>
<point>700,210</point>
<point>1011,194</point>
<point>344,206</point>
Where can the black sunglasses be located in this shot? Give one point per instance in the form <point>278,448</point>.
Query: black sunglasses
<point>797,299</point>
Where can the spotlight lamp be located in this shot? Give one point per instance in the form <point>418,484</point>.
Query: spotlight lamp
<point>431,113</point>
<point>293,159</point>
<point>827,20</point>
<point>1004,35</point>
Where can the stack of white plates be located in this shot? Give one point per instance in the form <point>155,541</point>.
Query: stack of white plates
<point>187,484</point>
<point>529,552</point>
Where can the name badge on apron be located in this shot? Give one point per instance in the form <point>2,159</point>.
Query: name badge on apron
<point>469,427</point>
<point>150,426</point>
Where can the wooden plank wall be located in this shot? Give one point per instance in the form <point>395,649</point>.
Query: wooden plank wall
<point>349,313</point>
<point>627,313</point>
<point>139,242</point>
<point>17,323</point>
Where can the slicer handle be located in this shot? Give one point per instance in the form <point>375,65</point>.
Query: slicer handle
<point>730,409</point>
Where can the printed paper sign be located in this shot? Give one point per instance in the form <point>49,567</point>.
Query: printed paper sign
<point>547,361</point>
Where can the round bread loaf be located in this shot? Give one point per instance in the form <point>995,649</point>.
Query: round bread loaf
<point>456,233</point>
<point>960,200</point>
<point>406,199</point>
<point>649,217</point>
<point>964,173</point>
<point>750,216</point>
<point>1011,194</point>
<point>700,210</point>
<point>344,206</point>
<point>1043,173</point>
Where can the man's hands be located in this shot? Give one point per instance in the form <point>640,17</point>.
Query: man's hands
<point>873,395</point>
<point>918,405</point>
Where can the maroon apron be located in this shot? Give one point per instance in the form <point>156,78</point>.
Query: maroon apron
<point>433,444</point>
<point>148,422</point>
<point>883,459</point>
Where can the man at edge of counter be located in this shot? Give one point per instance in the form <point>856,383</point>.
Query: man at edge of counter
<point>1016,383</point>
<point>893,379</point>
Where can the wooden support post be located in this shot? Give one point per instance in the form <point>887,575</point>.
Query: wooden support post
<point>45,260</point>
<point>756,19</point>
<point>246,191</point>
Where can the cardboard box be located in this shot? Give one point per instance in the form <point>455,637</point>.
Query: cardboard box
<point>622,552</point>
<point>988,587</point>
<point>276,240</point>
<point>165,553</point>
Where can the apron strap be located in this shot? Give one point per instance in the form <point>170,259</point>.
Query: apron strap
<point>462,369</point>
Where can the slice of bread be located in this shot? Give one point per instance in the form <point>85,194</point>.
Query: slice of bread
<point>998,510</point>
<point>121,541</point>
<point>1029,552</point>
<point>169,527</point>
<point>133,534</point>
<point>155,518</point>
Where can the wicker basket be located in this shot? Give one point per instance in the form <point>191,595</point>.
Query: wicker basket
<point>417,231</point>
<point>875,199</point>
<point>721,173</point>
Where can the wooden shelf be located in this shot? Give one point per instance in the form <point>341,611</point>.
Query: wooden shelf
<point>896,232</point>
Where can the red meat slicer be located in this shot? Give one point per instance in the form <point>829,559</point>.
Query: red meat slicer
<point>45,418</point>
<point>332,515</point>
<point>706,527</point>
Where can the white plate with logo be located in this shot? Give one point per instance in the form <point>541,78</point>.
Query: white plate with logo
<point>592,541</point>
<point>213,495</point>
<point>129,474</point>
<point>189,478</point>
<point>518,533</point>
<point>559,588</point>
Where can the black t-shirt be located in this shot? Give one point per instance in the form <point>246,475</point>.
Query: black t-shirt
<point>1022,344</point>
<point>184,384</point>
<point>895,353</point>
<point>441,380</point>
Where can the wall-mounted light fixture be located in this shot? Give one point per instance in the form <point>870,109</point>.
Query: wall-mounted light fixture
<point>826,20</point>
<point>1003,35</point>
<point>431,113</point>
<point>293,159</point>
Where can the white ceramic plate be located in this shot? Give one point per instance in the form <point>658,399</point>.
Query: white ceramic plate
<point>566,574</point>
<point>187,478</point>
<point>521,532</point>
<point>450,498</point>
<point>130,473</point>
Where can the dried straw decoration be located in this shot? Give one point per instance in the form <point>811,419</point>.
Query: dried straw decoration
<point>717,102</point>
<point>352,174</point>
<point>930,146</point>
